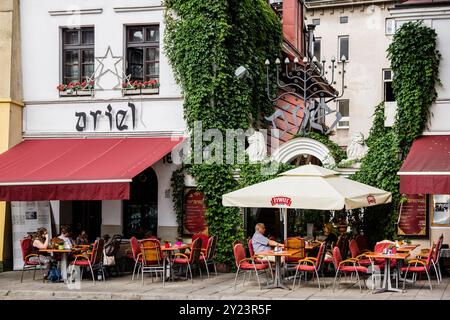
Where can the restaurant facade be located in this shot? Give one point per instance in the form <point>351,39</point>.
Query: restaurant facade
<point>96,152</point>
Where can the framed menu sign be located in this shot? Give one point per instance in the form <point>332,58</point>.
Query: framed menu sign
<point>412,220</point>
<point>194,212</point>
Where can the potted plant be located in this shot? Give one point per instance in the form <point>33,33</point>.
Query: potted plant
<point>141,87</point>
<point>76,88</point>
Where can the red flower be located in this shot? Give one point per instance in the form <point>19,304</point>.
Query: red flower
<point>91,83</point>
<point>83,84</point>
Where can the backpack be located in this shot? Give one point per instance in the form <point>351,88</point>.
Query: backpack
<point>54,275</point>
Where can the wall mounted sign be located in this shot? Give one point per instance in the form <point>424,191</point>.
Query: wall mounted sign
<point>27,217</point>
<point>194,212</point>
<point>441,213</point>
<point>119,118</point>
<point>413,218</point>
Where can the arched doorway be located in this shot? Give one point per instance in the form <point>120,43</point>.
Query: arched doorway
<point>140,213</point>
<point>307,149</point>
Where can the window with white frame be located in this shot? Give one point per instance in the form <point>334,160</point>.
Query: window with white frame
<point>388,92</point>
<point>343,43</point>
<point>343,107</point>
<point>317,48</point>
<point>390,26</point>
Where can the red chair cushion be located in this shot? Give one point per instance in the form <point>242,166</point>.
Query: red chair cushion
<point>353,269</point>
<point>305,267</point>
<point>261,261</point>
<point>365,262</point>
<point>291,259</point>
<point>249,266</point>
<point>31,263</point>
<point>181,261</point>
<point>81,263</point>
<point>328,260</point>
<point>414,269</point>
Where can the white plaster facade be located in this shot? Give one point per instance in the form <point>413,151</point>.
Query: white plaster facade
<point>367,58</point>
<point>48,115</point>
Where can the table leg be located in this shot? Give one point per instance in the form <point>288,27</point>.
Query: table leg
<point>387,284</point>
<point>64,266</point>
<point>277,281</point>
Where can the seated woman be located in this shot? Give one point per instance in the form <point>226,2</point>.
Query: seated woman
<point>82,239</point>
<point>41,242</point>
<point>65,236</point>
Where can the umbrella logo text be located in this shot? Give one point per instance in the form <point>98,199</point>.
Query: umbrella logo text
<point>371,199</point>
<point>279,201</point>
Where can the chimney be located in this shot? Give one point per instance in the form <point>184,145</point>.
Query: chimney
<point>293,22</point>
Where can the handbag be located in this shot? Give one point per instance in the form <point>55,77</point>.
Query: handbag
<point>109,260</point>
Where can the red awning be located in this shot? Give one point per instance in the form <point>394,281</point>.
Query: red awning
<point>77,169</point>
<point>426,169</point>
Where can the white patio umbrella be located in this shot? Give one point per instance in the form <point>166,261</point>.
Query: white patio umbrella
<point>307,187</point>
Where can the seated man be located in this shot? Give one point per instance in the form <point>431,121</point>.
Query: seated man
<point>262,243</point>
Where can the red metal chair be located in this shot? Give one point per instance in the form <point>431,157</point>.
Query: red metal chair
<point>311,265</point>
<point>204,238</point>
<point>26,245</point>
<point>136,255</point>
<point>246,265</point>
<point>348,266</point>
<point>362,243</point>
<point>153,260</point>
<point>92,260</point>
<point>363,260</point>
<point>435,258</point>
<point>207,257</point>
<point>256,258</point>
<point>191,261</point>
<point>417,266</point>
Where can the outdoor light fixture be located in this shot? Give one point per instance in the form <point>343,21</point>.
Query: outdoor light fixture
<point>241,72</point>
<point>306,81</point>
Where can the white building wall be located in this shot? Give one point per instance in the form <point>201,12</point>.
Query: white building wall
<point>46,114</point>
<point>367,58</point>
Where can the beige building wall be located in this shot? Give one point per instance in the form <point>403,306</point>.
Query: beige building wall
<point>10,106</point>
<point>367,56</point>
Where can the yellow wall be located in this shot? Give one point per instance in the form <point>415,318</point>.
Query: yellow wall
<point>10,103</point>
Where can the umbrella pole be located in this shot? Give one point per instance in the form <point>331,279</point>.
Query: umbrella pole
<point>284,215</point>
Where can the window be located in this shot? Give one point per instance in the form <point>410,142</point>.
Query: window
<point>143,52</point>
<point>441,205</point>
<point>344,110</point>
<point>78,54</point>
<point>387,86</point>
<point>316,22</point>
<point>390,26</point>
<point>343,19</point>
<point>343,47</point>
<point>317,48</point>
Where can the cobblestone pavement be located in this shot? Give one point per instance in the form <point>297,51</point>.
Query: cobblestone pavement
<point>216,287</point>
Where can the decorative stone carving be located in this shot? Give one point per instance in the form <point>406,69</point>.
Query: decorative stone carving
<point>257,149</point>
<point>357,148</point>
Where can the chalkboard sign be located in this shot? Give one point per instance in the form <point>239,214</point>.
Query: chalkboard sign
<point>194,212</point>
<point>413,216</point>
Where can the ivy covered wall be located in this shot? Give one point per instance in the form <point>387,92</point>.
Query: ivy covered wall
<point>415,64</point>
<point>205,42</point>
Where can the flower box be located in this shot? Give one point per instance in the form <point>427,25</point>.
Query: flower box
<point>140,91</point>
<point>75,93</point>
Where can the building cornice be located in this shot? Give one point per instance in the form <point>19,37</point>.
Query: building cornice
<point>442,11</point>
<point>338,4</point>
<point>11,101</point>
<point>138,9</point>
<point>75,12</point>
<point>74,100</point>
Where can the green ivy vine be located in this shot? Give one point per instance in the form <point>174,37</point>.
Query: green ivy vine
<point>205,42</point>
<point>415,64</point>
<point>177,185</point>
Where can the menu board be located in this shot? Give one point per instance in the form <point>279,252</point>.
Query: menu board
<point>194,212</point>
<point>412,219</point>
<point>27,217</point>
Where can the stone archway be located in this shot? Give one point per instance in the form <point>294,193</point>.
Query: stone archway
<point>299,146</point>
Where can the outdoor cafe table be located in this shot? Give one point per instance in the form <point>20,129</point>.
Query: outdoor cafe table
<point>387,284</point>
<point>170,251</point>
<point>278,281</point>
<point>407,248</point>
<point>64,254</point>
